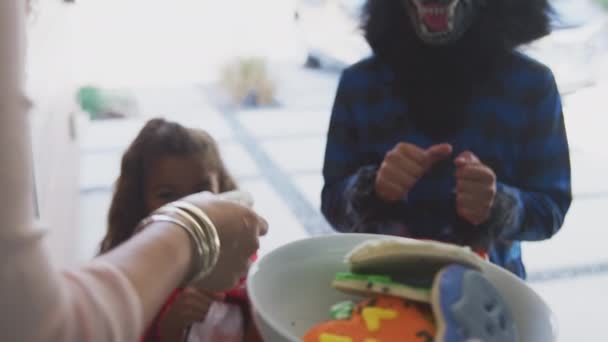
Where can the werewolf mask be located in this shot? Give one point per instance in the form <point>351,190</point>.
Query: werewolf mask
<point>441,51</point>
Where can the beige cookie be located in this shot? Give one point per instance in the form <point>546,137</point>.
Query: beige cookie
<point>410,262</point>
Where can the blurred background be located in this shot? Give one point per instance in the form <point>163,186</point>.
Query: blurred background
<point>260,76</point>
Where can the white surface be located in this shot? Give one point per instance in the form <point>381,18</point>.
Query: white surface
<point>99,170</point>
<point>580,306</point>
<point>109,134</point>
<point>283,225</point>
<point>310,185</point>
<point>237,160</point>
<point>294,155</point>
<point>94,210</point>
<point>290,290</point>
<point>582,240</point>
<point>285,123</point>
<point>142,42</point>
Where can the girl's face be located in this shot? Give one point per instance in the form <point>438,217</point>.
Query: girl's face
<point>171,178</point>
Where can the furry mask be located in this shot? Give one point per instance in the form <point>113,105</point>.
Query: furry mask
<point>440,55</point>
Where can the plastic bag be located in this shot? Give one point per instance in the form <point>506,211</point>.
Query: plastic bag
<point>224,322</point>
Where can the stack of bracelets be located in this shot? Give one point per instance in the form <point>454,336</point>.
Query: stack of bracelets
<point>200,229</point>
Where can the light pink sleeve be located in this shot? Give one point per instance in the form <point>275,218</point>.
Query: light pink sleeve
<point>92,303</point>
<point>105,307</point>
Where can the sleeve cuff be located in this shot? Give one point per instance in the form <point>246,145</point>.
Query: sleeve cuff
<point>361,194</point>
<point>505,217</point>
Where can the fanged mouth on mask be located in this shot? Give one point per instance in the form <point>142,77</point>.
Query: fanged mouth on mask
<point>440,21</point>
<point>436,18</point>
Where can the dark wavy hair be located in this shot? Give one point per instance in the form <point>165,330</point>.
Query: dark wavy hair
<point>157,139</point>
<point>438,81</point>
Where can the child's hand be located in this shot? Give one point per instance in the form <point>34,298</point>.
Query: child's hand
<point>403,166</point>
<point>191,306</point>
<point>475,188</point>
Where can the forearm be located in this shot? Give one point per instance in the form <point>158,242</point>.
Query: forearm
<point>519,215</point>
<point>111,299</point>
<point>123,290</point>
<point>155,262</point>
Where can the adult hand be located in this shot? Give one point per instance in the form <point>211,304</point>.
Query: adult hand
<point>239,229</point>
<point>475,188</point>
<point>403,166</point>
<point>191,306</point>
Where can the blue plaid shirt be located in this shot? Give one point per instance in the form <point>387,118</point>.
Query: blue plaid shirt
<point>515,126</point>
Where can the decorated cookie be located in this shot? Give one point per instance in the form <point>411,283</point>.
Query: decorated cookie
<point>370,285</point>
<point>409,262</point>
<point>417,291</point>
<point>381,319</point>
<point>468,307</point>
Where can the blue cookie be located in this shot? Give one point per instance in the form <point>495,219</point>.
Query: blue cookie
<point>468,307</point>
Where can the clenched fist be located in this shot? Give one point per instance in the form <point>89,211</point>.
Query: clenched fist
<point>475,188</point>
<point>403,166</point>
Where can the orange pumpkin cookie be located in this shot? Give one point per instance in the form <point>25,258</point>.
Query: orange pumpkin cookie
<point>381,319</point>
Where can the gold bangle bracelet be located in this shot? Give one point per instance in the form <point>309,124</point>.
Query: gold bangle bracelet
<point>201,230</point>
<point>209,229</point>
<point>198,254</point>
<point>198,232</point>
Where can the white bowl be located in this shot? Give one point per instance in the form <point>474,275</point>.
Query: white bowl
<point>290,290</point>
